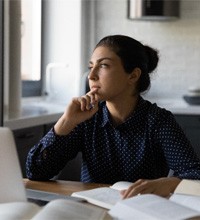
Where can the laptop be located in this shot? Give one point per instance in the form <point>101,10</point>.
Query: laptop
<point>11,183</point>
<point>12,187</point>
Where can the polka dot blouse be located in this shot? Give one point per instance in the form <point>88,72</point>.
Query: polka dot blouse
<point>147,145</point>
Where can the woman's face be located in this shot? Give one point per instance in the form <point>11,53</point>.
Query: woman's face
<point>108,76</point>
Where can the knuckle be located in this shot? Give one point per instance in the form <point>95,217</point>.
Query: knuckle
<point>140,180</point>
<point>82,98</point>
<point>145,182</point>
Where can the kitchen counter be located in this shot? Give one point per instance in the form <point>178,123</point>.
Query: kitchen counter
<point>34,112</point>
<point>39,111</point>
<point>177,106</point>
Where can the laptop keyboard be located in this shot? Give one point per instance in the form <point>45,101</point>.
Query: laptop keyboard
<point>37,201</point>
<point>41,198</point>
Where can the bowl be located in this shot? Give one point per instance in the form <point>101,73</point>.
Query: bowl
<point>192,100</point>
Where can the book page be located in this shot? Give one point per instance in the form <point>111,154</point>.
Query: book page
<point>66,209</point>
<point>150,206</point>
<point>190,187</point>
<point>18,210</point>
<point>192,202</point>
<point>105,197</point>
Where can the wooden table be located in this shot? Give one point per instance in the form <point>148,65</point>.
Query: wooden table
<point>64,187</point>
<point>61,186</point>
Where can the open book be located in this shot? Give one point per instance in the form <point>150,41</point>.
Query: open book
<point>107,197</point>
<point>55,209</point>
<point>152,207</point>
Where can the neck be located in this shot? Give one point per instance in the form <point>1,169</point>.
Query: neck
<point>121,110</point>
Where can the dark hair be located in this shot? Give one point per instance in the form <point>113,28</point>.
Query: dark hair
<point>133,54</point>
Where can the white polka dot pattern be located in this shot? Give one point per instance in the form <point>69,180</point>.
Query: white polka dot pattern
<point>146,145</point>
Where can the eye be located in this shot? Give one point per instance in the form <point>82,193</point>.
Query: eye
<point>90,67</point>
<point>103,65</point>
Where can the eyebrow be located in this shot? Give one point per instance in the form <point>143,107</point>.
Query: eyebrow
<point>101,59</point>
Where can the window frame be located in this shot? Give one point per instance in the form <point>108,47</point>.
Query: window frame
<point>1,62</point>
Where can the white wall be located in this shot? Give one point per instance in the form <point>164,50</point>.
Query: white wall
<point>178,43</point>
<point>62,45</point>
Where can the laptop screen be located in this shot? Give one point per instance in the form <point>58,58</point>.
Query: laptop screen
<point>12,188</point>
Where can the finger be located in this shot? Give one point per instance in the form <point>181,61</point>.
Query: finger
<point>88,101</point>
<point>93,99</point>
<point>93,90</point>
<point>83,103</point>
<point>131,192</point>
<point>134,189</point>
<point>93,95</point>
<point>122,192</point>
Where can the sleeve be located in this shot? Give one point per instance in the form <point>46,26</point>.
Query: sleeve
<point>178,151</point>
<point>47,158</point>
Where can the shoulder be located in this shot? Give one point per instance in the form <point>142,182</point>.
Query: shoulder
<point>160,122</point>
<point>157,114</point>
<point>157,111</point>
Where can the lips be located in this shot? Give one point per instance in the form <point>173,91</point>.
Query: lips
<point>95,87</point>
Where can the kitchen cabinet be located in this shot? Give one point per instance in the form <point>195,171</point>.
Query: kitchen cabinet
<point>191,126</point>
<point>28,137</point>
<point>25,139</point>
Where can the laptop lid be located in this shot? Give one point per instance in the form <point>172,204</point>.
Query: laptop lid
<point>12,188</point>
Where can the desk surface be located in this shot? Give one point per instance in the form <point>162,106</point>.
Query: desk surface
<point>65,187</point>
<point>61,186</point>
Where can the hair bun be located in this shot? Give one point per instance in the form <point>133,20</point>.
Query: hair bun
<point>152,57</point>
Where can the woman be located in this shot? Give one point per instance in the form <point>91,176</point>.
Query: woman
<point>121,135</point>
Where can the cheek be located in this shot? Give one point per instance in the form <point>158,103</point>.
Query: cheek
<point>113,79</point>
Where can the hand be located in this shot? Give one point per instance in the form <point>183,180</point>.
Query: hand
<point>162,187</point>
<point>88,101</point>
<point>80,109</point>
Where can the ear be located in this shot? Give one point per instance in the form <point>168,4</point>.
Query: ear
<point>135,75</point>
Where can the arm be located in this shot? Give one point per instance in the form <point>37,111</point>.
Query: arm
<point>63,142</point>
<point>47,158</point>
<point>178,151</point>
<point>79,110</point>
<point>179,154</point>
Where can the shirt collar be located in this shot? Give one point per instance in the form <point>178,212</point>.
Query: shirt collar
<point>106,115</point>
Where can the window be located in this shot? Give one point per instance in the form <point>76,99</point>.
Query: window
<point>31,28</point>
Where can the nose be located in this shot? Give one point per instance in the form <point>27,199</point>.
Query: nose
<point>93,74</point>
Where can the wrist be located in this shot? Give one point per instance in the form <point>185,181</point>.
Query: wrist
<point>64,126</point>
<point>174,183</point>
